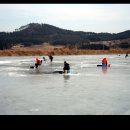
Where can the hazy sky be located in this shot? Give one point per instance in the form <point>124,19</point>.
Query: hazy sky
<point>112,18</point>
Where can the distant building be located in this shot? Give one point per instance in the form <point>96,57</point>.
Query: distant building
<point>17,46</point>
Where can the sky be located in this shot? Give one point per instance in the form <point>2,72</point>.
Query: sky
<point>111,18</point>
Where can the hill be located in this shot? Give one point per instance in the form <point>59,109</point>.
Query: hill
<point>36,34</point>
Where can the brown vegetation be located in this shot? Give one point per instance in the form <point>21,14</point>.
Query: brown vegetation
<point>59,51</point>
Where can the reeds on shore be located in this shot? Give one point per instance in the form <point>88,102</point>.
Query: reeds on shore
<point>59,51</point>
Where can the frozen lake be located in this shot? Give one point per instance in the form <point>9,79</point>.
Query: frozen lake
<point>88,90</point>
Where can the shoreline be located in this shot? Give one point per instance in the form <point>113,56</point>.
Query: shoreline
<point>61,51</point>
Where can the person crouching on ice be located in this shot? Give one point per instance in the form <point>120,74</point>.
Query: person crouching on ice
<point>104,62</point>
<point>66,68</point>
<point>38,62</point>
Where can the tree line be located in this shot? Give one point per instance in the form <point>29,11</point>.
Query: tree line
<point>34,33</point>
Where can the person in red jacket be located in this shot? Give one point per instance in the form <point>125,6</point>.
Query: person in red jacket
<point>38,62</point>
<point>104,62</point>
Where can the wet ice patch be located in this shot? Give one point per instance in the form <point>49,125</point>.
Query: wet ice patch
<point>5,62</point>
<point>34,110</point>
<point>15,74</point>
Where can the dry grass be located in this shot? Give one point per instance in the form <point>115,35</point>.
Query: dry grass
<point>59,51</point>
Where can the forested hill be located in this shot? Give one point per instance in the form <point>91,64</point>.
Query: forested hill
<point>35,33</point>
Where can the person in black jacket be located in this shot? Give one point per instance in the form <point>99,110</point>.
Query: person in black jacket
<point>126,55</point>
<point>66,68</point>
<point>51,58</point>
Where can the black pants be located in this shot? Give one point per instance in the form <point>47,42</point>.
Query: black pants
<point>36,65</point>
